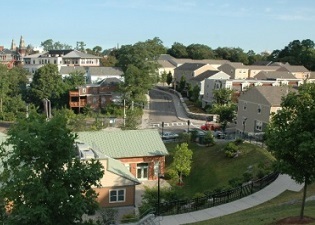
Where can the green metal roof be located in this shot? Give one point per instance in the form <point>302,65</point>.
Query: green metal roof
<point>119,169</point>
<point>125,144</point>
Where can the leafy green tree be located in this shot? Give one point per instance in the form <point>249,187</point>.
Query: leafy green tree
<point>182,161</point>
<point>169,78</point>
<point>195,93</point>
<point>47,45</point>
<point>182,84</point>
<point>226,113</point>
<point>109,61</point>
<point>80,46</point>
<point>12,88</point>
<point>163,77</point>
<point>208,138</point>
<point>290,137</point>
<point>178,50</point>
<point>43,180</point>
<point>222,96</point>
<point>47,83</point>
<point>232,54</point>
<point>199,51</point>
<point>74,79</point>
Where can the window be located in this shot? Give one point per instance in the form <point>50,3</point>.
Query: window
<point>259,109</point>
<point>117,195</point>
<point>258,125</point>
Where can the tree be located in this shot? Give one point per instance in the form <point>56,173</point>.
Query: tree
<point>47,83</point>
<point>75,79</point>
<point>198,51</point>
<point>208,138</point>
<point>222,96</point>
<point>163,77</point>
<point>195,93</point>
<point>182,84</point>
<point>226,113</point>
<point>223,106</point>
<point>43,181</point>
<point>169,78</point>
<point>178,50</point>
<point>182,161</point>
<point>290,137</point>
<point>47,45</point>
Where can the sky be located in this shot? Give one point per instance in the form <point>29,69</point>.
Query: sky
<point>259,25</point>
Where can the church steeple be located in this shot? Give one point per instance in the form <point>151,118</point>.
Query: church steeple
<point>22,48</point>
<point>13,45</point>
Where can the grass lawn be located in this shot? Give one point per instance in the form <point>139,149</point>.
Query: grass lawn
<point>212,170</point>
<point>287,204</point>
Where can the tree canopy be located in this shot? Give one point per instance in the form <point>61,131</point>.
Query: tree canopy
<point>290,136</point>
<point>43,180</point>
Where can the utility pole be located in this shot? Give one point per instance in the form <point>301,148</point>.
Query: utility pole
<point>124,119</point>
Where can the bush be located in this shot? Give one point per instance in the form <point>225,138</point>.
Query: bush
<point>128,218</point>
<point>231,150</point>
<point>239,141</point>
<point>247,176</point>
<point>235,182</point>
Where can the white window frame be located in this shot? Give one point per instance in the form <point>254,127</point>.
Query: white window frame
<point>116,192</point>
<point>258,125</point>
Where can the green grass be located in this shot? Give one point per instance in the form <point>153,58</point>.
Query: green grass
<point>212,170</point>
<point>287,204</point>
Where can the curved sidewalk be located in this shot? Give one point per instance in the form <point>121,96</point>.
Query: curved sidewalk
<point>281,184</point>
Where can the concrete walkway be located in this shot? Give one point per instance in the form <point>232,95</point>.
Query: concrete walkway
<point>281,184</point>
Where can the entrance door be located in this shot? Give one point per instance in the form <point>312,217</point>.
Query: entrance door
<point>142,171</point>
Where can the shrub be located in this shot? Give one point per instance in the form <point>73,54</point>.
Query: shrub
<point>247,176</point>
<point>239,141</point>
<point>231,150</point>
<point>235,182</point>
<point>128,218</point>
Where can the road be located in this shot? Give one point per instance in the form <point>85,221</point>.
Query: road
<point>162,109</point>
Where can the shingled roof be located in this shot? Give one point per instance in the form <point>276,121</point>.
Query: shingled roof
<point>125,144</point>
<point>205,75</point>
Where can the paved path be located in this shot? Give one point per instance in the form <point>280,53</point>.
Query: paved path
<point>281,184</point>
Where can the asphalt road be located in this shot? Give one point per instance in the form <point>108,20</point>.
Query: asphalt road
<point>162,109</point>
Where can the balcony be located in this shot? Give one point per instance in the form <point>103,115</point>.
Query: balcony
<point>74,93</point>
<point>80,104</point>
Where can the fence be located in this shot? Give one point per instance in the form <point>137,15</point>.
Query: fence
<point>214,199</point>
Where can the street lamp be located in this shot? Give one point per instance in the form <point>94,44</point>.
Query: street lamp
<point>162,129</point>
<point>188,123</point>
<point>159,199</point>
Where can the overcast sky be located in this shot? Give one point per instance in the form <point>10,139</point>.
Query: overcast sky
<point>257,25</point>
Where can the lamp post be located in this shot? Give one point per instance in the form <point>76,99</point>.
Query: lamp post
<point>159,199</point>
<point>188,123</point>
<point>162,129</point>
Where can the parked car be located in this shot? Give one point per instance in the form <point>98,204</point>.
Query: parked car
<point>169,135</point>
<point>198,131</point>
<point>219,135</point>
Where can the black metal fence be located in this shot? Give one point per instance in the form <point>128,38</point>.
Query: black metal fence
<point>214,199</point>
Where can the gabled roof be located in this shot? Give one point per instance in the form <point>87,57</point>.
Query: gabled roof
<point>165,64</point>
<point>125,144</point>
<point>110,80</point>
<point>71,69</point>
<point>119,169</point>
<point>205,75</point>
<point>268,68</point>
<point>190,66</point>
<point>266,95</point>
<point>273,75</point>
<point>98,71</point>
<point>293,68</point>
<point>236,65</point>
<point>78,54</point>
